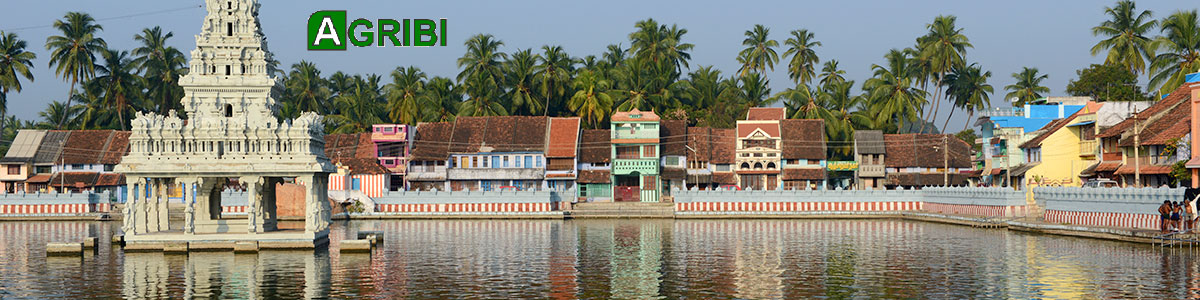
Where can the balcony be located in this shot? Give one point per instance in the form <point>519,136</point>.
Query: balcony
<point>871,171</point>
<point>396,165</point>
<point>495,173</point>
<point>628,166</point>
<point>1088,148</point>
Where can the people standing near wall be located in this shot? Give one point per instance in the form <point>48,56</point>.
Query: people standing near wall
<point>1164,213</point>
<point>1189,215</point>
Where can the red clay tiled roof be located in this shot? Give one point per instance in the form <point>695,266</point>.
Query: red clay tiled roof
<point>699,139</point>
<point>117,148</point>
<point>920,180</point>
<point>111,179</point>
<point>1174,124</point>
<point>432,141</point>
<point>803,174</point>
<point>1108,166</point>
<point>627,116</point>
<point>469,133</point>
<point>595,176</point>
<point>39,178</point>
<point>674,173</point>
<point>363,166</point>
<point>745,129</point>
<point>1127,169</point>
<point>724,178</point>
<point>595,146</point>
<point>925,151</point>
<point>1177,97</point>
<point>355,151</point>
<point>525,134</point>
<point>564,137</point>
<point>86,146</point>
<point>673,137</point>
<point>724,142</point>
<point>803,139</point>
<point>766,113</point>
<point>74,179</point>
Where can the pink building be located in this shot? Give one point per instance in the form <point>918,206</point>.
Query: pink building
<point>392,148</point>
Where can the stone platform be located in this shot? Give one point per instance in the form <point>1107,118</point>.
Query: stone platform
<point>177,241</point>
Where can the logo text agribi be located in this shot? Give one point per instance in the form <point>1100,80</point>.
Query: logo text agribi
<point>327,30</point>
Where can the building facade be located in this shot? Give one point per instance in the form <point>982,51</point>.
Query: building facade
<point>392,148</point>
<point>635,156</point>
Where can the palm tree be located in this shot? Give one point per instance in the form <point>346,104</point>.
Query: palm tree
<point>74,52</point>
<point>830,74</point>
<point>1028,87</point>
<point>1127,43</point>
<point>519,77</point>
<point>661,45</point>
<point>894,97</point>
<point>441,99</point>
<point>482,75</point>
<point>714,100</point>
<point>801,48</point>
<point>162,66</point>
<point>1181,42</point>
<point>945,48</point>
<point>359,106</point>
<point>55,112</point>
<point>402,95</point>
<point>15,62</point>
<point>759,54</point>
<point>554,74</point>
<point>754,90</point>
<point>119,80</point>
<point>803,102</point>
<point>309,91</point>
<point>841,121</point>
<point>968,88</point>
<point>591,101</point>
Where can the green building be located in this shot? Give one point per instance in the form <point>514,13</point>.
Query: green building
<point>635,153</point>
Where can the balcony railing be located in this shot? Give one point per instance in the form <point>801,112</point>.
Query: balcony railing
<point>1088,148</point>
<point>871,170</point>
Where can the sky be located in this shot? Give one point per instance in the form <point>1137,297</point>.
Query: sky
<point>1053,36</point>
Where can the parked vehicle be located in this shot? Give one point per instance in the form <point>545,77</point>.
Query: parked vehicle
<point>1097,183</point>
<point>729,187</point>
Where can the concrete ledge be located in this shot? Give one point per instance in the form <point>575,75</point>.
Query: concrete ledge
<point>359,246</point>
<point>374,236</point>
<point>64,249</point>
<point>89,243</point>
<point>554,215</point>
<point>175,248</point>
<point>59,217</point>
<point>245,247</point>
<point>1117,234</point>
<point>210,246</point>
<point>118,239</point>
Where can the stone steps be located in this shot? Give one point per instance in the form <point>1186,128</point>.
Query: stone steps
<point>622,210</point>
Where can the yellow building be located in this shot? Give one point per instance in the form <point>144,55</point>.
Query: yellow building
<point>1060,150</point>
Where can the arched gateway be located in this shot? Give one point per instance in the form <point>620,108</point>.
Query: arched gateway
<point>230,131</point>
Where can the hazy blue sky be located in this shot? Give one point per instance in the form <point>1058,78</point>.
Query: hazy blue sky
<point>1054,36</point>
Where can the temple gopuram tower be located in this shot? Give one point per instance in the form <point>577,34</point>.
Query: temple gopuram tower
<point>229,130</point>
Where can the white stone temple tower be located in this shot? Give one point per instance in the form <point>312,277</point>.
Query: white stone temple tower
<point>230,131</point>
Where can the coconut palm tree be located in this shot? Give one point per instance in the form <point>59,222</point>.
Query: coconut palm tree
<point>15,62</point>
<point>74,52</point>
<point>162,66</point>
<point>483,75</point>
<point>1126,42</point>
<point>945,47</point>
<point>967,86</point>
<point>403,104</point>
<point>119,81</point>
<point>830,74</point>
<point>841,120</point>
<point>55,112</point>
<point>308,90</point>
<point>754,90</point>
<point>895,98</point>
<point>803,101</point>
<point>553,74</point>
<point>359,107</point>
<point>441,99</point>
<point>661,45</point>
<point>591,101</point>
<point>519,77</point>
<point>1028,87</point>
<point>801,47</point>
<point>1180,43</point>
<point>759,54</point>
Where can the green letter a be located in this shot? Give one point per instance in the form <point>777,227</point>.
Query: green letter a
<point>327,30</point>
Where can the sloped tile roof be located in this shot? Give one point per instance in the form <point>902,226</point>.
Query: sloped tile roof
<point>469,133</point>
<point>24,146</point>
<point>355,151</point>
<point>594,176</point>
<point>110,179</point>
<point>699,139</point>
<point>74,179</point>
<point>803,139</point>
<point>724,143</point>
<point>595,146</point>
<point>1174,124</point>
<point>920,180</point>
<point>432,141</point>
<point>564,137</point>
<point>724,178</point>
<point>766,113</point>
<point>1108,166</point>
<point>1177,97</point>
<point>51,147</point>
<point>803,174</point>
<point>118,147</point>
<point>1147,169</point>
<point>86,146</point>
<point>673,137</point>
<point>925,151</point>
<point>869,141</point>
<point>674,173</point>
<point>746,129</point>
<point>627,116</point>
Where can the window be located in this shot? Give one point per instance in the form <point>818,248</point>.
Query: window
<point>230,4</point>
<point>723,168</point>
<point>77,167</point>
<point>672,160</point>
<point>814,162</point>
<point>649,126</point>
<point>109,168</point>
<point>228,109</point>
<point>648,151</point>
<point>769,144</point>
<point>505,161</point>
<point>243,69</point>
<point>475,161</point>
<point>14,169</point>
<point>228,70</point>
<point>627,152</point>
<point>485,161</point>
<point>539,161</point>
<point>42,170</point>
<point>229,29</point>
<point>528,161</point>
<point>648,183</point>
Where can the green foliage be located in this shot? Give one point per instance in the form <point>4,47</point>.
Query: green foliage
<point>1180,173</point>
<point>969,136</point>
<point>1107,82</point>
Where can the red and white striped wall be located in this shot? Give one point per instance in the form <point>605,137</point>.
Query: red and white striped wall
<point>50,209</point>
<point>794,206</point>
<point>373,185</point>
<point>1144,221</point>
<point>466,208</point>
<point>241,209</point>
<point>976,210</point>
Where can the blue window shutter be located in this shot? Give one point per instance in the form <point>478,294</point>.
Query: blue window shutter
<point>528,161</point>
<point>356,184</point>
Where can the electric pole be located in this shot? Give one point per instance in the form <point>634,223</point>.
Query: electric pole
<point>1137,157</point>
<point>945,160</point>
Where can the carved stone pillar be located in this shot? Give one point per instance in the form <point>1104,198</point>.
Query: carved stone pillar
<point>189,201</point>
<point>254,207</point>
<point>310,211</point>
<point>151,205</point>
<point>164,222</point>
<point>129,219</point>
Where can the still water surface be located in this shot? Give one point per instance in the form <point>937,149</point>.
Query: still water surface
<point>627,259</point>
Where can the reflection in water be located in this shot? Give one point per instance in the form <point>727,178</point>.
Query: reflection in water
<point>628,259</point>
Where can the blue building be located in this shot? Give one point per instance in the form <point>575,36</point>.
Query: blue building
<point>1003,130</point>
